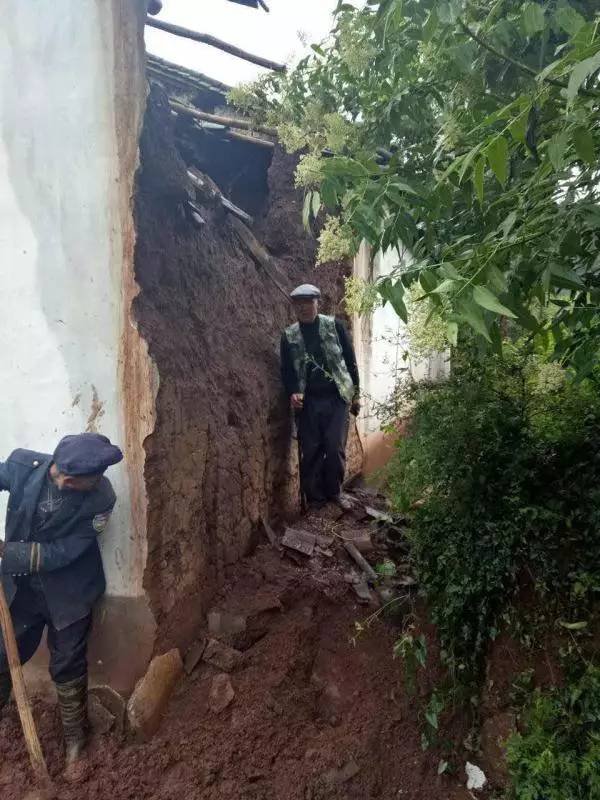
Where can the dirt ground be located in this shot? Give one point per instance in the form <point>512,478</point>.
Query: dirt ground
<point>315,715</point>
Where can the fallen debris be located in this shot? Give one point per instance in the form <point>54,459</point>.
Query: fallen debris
<point>221,693</point>
<point>194,656</point>
<point>151,694</point>
<point>475,777</point>
<point>100,719</point>
<point>361,561</point>
<point>379,516</point>
<point>362,591</point>
<point>219,655</point>
<point>299,540</point>
<point>113,702</point>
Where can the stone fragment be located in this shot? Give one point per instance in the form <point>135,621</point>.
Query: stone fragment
<point>194,656</point>
<point>299,540</point>
<point>324,540</point>
<point>221,693</point>
<point>219,655</point>
<point>475,777</point>
<point>151,694</point>
<point>100,719</point>
<point>220,623</point>
<point>378,516</point>
<point>113,702</point>
<point>362,591</point>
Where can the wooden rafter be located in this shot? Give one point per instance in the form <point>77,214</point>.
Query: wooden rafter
<point>212,41</point>
<point>228,122</point>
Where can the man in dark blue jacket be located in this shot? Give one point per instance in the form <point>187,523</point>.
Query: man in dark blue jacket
<point>51,566</point>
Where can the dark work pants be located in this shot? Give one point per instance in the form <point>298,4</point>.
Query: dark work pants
<point>68,647</point>
<point>322,432</point>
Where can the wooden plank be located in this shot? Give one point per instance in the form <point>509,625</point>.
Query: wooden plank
<point>228,122</point>
<point>212,41</point>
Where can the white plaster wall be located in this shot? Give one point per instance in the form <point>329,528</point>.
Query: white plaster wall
<point>382,344</point>
<point>61,246</point>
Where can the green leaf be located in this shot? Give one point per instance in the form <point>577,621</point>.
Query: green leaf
<point>318,49</point>
<point>484,298</point>
<point>573,626</point>
<point>473,317</point>
<point>556,149</point>
<point>477,178</point>
<point>565,278</point>
<point>508,224</point>
<point>496,278</point>
<point>569,20</point>
<point>394,294</point>
<point>445,286</point>
<point>467,160</point>
<point>430,26</point>
<point>452,333</point>
<point>442,766</point>
<point>306,210</point>
<point>580,72</point>
<point>497,155</point>
<point>518,127</point>
<point>316,203</point>
<point>532,19</point>
<point>584,144</point>
<point>432,719</point>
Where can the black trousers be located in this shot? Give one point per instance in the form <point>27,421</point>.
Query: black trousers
<point>68,647</point>
<point>322,433</point>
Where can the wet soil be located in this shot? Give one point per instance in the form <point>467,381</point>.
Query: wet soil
<point>318,712</point>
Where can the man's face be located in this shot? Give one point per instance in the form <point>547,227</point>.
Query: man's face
<point>74,483</point>
<point>306,309</point>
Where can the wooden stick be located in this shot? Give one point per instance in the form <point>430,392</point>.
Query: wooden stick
<point>36,756</point>
<point>205,38</point>
<point>258,252</point>
<point>360,561</point>
<point>229,122</point>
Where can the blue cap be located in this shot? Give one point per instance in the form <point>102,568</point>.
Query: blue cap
<point>86,454</point>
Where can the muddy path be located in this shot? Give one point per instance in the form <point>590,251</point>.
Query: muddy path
<point>316,712</point>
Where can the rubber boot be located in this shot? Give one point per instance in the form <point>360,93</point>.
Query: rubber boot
<point>72,701</point>
<point>5,688</point>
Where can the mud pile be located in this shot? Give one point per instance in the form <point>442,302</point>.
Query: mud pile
<point>317,712</point>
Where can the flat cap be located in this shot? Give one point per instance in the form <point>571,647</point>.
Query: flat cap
<point>306,290</point>
<point>86,454</point>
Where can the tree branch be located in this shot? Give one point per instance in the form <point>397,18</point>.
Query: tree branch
<point>499,54</point>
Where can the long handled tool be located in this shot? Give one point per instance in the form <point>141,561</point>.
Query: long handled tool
<point>38,764</point>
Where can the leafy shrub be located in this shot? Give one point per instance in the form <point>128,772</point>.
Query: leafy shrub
<point>507,478</point>
<point>558,757</point>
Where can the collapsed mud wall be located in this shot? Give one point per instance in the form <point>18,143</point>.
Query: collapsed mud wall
<point>220,456</point>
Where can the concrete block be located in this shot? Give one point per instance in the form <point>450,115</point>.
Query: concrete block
<point>151,694</point>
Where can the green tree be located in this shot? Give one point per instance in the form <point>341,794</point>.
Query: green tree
<point>469,133</point>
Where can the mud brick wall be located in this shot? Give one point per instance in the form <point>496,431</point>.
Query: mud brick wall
<point>221,454</point>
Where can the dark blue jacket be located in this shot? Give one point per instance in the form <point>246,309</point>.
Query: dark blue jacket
<point>63,553</point>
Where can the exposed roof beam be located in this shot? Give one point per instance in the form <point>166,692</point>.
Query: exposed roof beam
<point>205,38</point>
<point>252,3</point>
<point>228,122</point>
